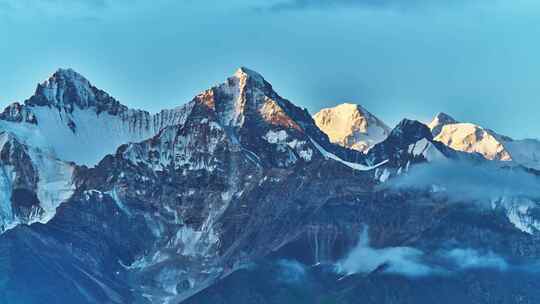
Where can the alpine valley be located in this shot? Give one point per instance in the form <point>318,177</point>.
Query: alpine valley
<point>241,197</point>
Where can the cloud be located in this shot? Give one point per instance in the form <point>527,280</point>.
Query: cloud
<point>398,260</point>
<point>412,262</point>
<point>462,181</point>
<point>473,259</point>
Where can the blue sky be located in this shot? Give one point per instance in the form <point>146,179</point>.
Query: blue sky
<point>476,60</point>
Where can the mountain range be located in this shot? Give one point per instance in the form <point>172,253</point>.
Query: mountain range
<point>240,196</point>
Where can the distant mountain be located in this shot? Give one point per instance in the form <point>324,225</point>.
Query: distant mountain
<point>193,200</point>
<point>351,126</point>
<point>468,137</point>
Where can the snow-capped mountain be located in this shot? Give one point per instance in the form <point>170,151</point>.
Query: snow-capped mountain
<point>67,122</point>
<point>236,176</point>
<point>351,126</point>
<point>471,138</point>
<point>72,120</point>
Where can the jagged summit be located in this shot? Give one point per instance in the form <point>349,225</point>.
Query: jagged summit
<point>69,74</point>
<point>242,94</point>
<point>256,115</point>
<point>65,90</point>
<point>68,90</point>
<point>243,72</point>
<point>351,126</point>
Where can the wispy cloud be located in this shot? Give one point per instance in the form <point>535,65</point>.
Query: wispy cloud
<point>462,181</point>
<point>398,260</point>
<point>467,258</point>
<point>412,262</point>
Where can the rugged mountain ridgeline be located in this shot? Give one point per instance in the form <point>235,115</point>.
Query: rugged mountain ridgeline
<point>238,194</point>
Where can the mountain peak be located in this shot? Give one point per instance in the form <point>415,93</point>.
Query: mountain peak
<point>245,76</point>
<point>351,126</point>
<point>63,89</point>
<point>68,73</point>
<point>243,94</point>
<point>470,138</point>
<point>243,72</point>
<point>67,90</point>
<point>68,77</point>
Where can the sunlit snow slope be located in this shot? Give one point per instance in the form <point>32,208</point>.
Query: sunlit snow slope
<point>468,137</point>
<point>351,126</point>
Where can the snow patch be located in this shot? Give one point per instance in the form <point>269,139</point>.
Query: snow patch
<point>425,148</point>
<point>275,137</point>
<point>519,212</point>
<point>354,166</point>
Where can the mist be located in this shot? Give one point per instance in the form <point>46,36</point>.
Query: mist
<point>461,181</point>
<point>413,263</point>
<point>473,259</point>
<point>398,260</point>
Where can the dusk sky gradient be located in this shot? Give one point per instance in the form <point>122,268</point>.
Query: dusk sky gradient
<point>477,60</point>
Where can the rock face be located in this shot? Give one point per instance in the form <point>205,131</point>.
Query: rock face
<point>351,126</point>
<point>472,138</point>
<point>244,177</point>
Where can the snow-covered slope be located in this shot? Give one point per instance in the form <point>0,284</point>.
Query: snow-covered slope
<point>468,137</point>
<point>32,183</point>
<point>471,138</point>
<point>74,121</point>
<point>351,126</point>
